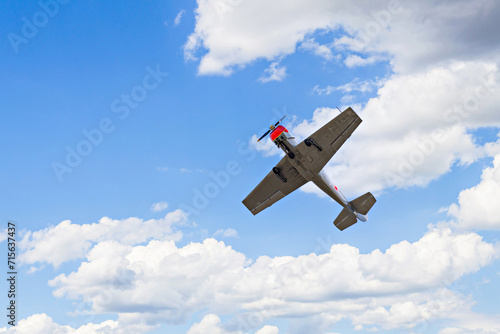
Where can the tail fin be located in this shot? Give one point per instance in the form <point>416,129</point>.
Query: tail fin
<point>345,219</point>
<point>363,203</point>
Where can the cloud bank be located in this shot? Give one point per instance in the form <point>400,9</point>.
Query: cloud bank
<point>160,282</point>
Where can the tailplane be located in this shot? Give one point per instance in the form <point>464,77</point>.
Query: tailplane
<point>345,219</point>
<point>363,203</point>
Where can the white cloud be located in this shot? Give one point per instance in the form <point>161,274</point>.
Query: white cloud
<point>416,128</point>
<point>347,99</point>
<point>474,323</point>
<point>396,288</point>
<point>238,32</point>
<point>67,241</point>
<point>405,140</point>
<point>233,37</point>
<point>159,206</point>
<point>34,269</point>
<point>355,85</point>
<point>268,330</point>
<point>158,279</point>
<point>318,49</point>
<point>357,61</point>
<point>477,207</point>
<point>412,34</point>
<point>43,324</point>
<point>209,324</point>
<point>273,73</point>
<point>419,125</point>
<point>227,233</point>
<point>178,18</point>
<point>326,91</point>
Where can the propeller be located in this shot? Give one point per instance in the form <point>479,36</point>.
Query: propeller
<point>271,128</point>
<point>265,134</point>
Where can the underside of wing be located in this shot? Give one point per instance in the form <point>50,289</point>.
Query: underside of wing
<point>320,147</point>
<point>281,181</point>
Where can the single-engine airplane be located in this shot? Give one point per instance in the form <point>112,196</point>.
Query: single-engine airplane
<point>304,162</point>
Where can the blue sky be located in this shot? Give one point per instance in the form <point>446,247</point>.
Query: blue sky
<point>116,117</point>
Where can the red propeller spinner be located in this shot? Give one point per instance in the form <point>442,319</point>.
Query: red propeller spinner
<point>274,129</point>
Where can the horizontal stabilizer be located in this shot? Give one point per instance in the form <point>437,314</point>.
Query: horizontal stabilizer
<point>363,203</point>
<point>345,219</point>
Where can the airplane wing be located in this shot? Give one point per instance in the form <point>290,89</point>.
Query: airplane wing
<point>327,140</point>
<point>274,187</point>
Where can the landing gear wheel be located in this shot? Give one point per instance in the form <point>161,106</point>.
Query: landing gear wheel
<point>291,155</point>
<point>277,171</point>
<point>310,141</point>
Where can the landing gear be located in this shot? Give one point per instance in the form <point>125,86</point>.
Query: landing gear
<point>310,141</point>
<point>287,150</point>
<point>277,171</point>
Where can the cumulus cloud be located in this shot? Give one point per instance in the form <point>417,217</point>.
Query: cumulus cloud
<point>234,37</point>
<point>268,330</point>
<point>409,139</point>
<point>474,323</point>
<point>158,278</point>
<point>163,282</point>
<point>43,324</point>
<point>477,207</point>
<point>211,323</point>
<point>45,246</point>
<point>412,34</point>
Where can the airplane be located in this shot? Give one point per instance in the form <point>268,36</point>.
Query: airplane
<point>304,162</point>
